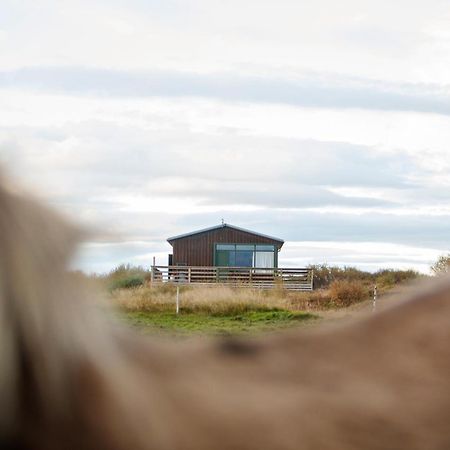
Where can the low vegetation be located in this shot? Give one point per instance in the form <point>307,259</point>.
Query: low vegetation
<point>384,279</point>
<point>222,309</point>
<point>188,323</point>
<point>442,265</point>
<point>125,277</point>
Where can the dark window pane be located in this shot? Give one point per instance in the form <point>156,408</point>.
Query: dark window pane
<point>232,258</point>
<point>244,259</point>
<point>222,258</point>
<point>225,258</point>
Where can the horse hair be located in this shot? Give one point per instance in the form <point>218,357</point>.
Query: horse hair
<point>72,379</point>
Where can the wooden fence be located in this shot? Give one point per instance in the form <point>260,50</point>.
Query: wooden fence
<point>299,279</point>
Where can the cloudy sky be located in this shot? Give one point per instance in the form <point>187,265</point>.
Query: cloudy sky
<point>324,123</point>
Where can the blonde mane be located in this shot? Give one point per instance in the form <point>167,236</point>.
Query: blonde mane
<point>69,379</point>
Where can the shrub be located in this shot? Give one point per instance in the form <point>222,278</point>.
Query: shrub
<point>388,278</point>
<point>354,274</point>
<point>126,276</point>
<point>325,275</point>
<point>127,283</point>
<point>442,265</point>
<point>346,293</point>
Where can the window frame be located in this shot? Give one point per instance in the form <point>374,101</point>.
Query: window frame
<point>254,251</point>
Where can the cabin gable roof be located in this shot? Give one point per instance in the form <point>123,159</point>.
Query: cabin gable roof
<point>279,242</point>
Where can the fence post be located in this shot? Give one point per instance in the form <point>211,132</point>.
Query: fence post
<point>178,298</point>
<point>375,295</point>
<point>152,275</point>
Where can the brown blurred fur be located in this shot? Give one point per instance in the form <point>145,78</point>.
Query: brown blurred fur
<point>70,380</point>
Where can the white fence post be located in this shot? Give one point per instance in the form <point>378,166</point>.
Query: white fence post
<point>375,295</point>
<point>178,298</point>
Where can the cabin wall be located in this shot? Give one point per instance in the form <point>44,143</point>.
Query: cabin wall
<point>198,250</point>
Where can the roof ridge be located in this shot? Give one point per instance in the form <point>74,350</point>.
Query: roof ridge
<point>222,225</point>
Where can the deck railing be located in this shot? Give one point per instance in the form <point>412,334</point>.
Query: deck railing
<point>299,279</point>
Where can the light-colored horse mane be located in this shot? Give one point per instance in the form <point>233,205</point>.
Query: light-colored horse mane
<point>71,380</point>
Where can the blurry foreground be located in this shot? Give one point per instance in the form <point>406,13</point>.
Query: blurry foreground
<point>69,379</point>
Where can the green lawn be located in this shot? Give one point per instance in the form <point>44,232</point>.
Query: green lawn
<point>188,323</point>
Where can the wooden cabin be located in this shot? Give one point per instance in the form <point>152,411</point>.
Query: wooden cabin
<point>225,246</point>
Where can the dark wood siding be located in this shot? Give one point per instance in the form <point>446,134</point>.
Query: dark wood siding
<point>198,249</point>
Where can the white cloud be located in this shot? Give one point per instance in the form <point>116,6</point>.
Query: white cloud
<point>311,90</point>
<point>324,122</point>
<point>356,37</point>
<point>365,255</point>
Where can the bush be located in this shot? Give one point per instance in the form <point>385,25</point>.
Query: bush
<point>442,265</point>
<point>126,276</point>
<point>346,293</point>
<point>388,278</point>
<point>127,283</point>
<point>325,275</point>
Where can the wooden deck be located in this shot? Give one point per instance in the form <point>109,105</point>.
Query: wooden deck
<point>298,279</point>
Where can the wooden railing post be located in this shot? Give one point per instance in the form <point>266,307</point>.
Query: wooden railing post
<point>300,279</point>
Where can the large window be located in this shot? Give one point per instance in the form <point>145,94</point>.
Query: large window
<point>245,255</point>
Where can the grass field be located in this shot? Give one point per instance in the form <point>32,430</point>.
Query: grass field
<point>340,294</point>
<point>189,323</point>
<point>219,310</point>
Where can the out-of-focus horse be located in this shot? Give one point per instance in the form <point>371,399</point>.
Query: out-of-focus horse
<point>71,380</point>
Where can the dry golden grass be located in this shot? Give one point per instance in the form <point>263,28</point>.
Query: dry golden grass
<point>223,300</point>
<point>212,300</point>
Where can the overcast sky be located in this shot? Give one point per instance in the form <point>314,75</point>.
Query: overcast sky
<point>324,123</point>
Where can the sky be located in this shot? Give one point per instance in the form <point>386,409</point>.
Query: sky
<point>323,123</point>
